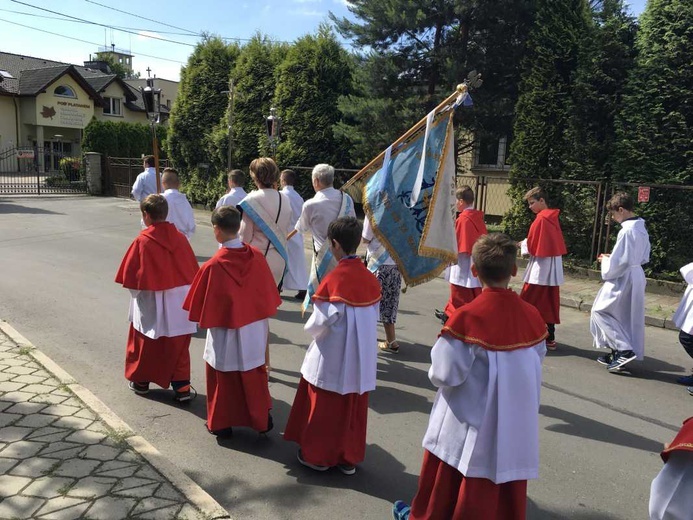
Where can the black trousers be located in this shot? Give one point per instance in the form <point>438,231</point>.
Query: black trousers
<point>687,342</point>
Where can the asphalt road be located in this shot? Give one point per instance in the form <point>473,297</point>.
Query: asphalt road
<point>600,433</point>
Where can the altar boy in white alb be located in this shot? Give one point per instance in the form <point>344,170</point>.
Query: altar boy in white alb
<point>617,320</point>
<point>482,441</point>
<point>296,277</point>
<point>180,212</point>
<point>683,319</point>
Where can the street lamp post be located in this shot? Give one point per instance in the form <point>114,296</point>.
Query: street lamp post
<point>274,127</point>
<point>152,104</point>
<point>230,93</point>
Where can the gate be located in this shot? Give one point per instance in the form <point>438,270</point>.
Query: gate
<point>120,174</point>
<point>34,170</point>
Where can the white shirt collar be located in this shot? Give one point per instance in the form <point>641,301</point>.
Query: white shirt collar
<point>234,243</point>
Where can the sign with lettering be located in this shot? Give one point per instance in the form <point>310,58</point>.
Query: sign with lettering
<point>25,153</point>
<point>644,194</point>
<point>64,106</point>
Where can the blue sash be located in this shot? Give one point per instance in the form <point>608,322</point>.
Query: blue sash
<point>262,220</point>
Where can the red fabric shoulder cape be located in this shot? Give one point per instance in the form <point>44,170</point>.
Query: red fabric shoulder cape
<point>683,440</point>
<point>469,227</point>
<point>545,236</point>
<point>159,258</point>
<point>232,289</point>
<point>497,320</point>
<point>351,283</point>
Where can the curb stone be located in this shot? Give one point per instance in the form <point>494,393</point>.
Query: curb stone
<point>210,508</point>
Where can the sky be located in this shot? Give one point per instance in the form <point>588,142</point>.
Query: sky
<point>143,31</point>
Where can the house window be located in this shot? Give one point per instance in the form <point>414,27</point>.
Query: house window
<point>112,107</point>
<point>492,151</point>
<point>64,91</point>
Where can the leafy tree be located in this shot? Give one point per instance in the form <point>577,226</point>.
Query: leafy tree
<point>655,129</point>
<point>543,115</point>
<point>310,80</point>
<point>199,106</point>
<point>120,139</point>
<point>416,51</point>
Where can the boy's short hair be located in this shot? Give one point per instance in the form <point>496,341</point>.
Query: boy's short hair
<point>237,177</point>
<point>227,218</point>
<point>149,160</point>
<point>465,193</point>
<point>347,232</point>
<point>155,206</point>
<point>170,175</point>
<point>494,257</point>
<point>289,177</point>
<point>620,199</point>
<point>265,170</point>
<point>536,193</point>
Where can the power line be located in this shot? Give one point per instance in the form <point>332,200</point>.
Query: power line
<point>84,41</point>
<point>118,27</point>
<point>105,25</point>
<point>195,33</point>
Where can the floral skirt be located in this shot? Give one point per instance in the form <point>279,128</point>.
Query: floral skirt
<point>391,283</point>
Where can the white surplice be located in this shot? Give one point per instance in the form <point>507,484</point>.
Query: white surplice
<point>617,319</point>
<point>180,212</point>
<point>232,198</point>
<point>461,273</point>
<point>683,317</point>
<point>296,277</point>
<point>236,350</point>
<point>542,270</point>
<point>485,417</point>
<point>671,493</point>
<point>160,313</point>
<point>343,355</point>
<point>319,211</point>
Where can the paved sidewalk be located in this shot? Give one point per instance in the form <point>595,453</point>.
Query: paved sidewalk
<point>63,459</point>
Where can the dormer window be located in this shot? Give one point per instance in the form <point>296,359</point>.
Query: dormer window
<point>64,91</point>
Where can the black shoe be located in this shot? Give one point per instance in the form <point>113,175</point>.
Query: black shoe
<point>270,425</point>
<point>224,433</point>
<point>620,360</point>
<point>139,388</point>
<point>184,396</point>
<point>300,295</point>
<point>441,316</point>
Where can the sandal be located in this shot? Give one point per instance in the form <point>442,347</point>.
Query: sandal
<point>392,346</point>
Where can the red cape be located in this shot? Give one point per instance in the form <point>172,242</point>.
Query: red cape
<point>468,228</point>
<point>232,289</point>
<point>497,320</point>
<point>683,440</point>
<point>351,283</point>
<point>545,236</point>
<point>159,258</point>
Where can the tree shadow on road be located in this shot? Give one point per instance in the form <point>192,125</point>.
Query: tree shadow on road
<point>7,208</point>
<point>586,428</point>
<point>536,512</point>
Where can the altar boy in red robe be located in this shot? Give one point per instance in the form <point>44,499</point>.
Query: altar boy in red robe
<point>464,286</point>
<point>482,441</point>
<point>544,273</point>
<point>329,414</point>
<point>233,296</point>
<point>158,268</point>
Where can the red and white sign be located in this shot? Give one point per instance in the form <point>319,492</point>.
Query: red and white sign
<point>25,154</point>
<point>644,194</point>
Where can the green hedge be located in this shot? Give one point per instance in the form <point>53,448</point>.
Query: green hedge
<point>121,139</point>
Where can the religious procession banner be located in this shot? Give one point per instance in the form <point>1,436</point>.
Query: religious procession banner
<point>410,198</point>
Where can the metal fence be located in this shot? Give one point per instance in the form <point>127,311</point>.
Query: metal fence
<point>32,170</point>
<point>120,174</point>
<point>586,225</point>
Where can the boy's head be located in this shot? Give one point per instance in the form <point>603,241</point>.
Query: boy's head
<point>154,208</point>
<point>464,197</point>
<point>288,178</point>
<point>536,200</point>
<point>621,206</point>
<point>236,179</point>
<point>226,222</point>
<point>148,161</point>
<point>169,179</point>
<point>494,259</point>
<point>264,172</point>
<point>344,235</point>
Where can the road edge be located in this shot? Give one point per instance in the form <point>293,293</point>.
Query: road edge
<point>209,507</point>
